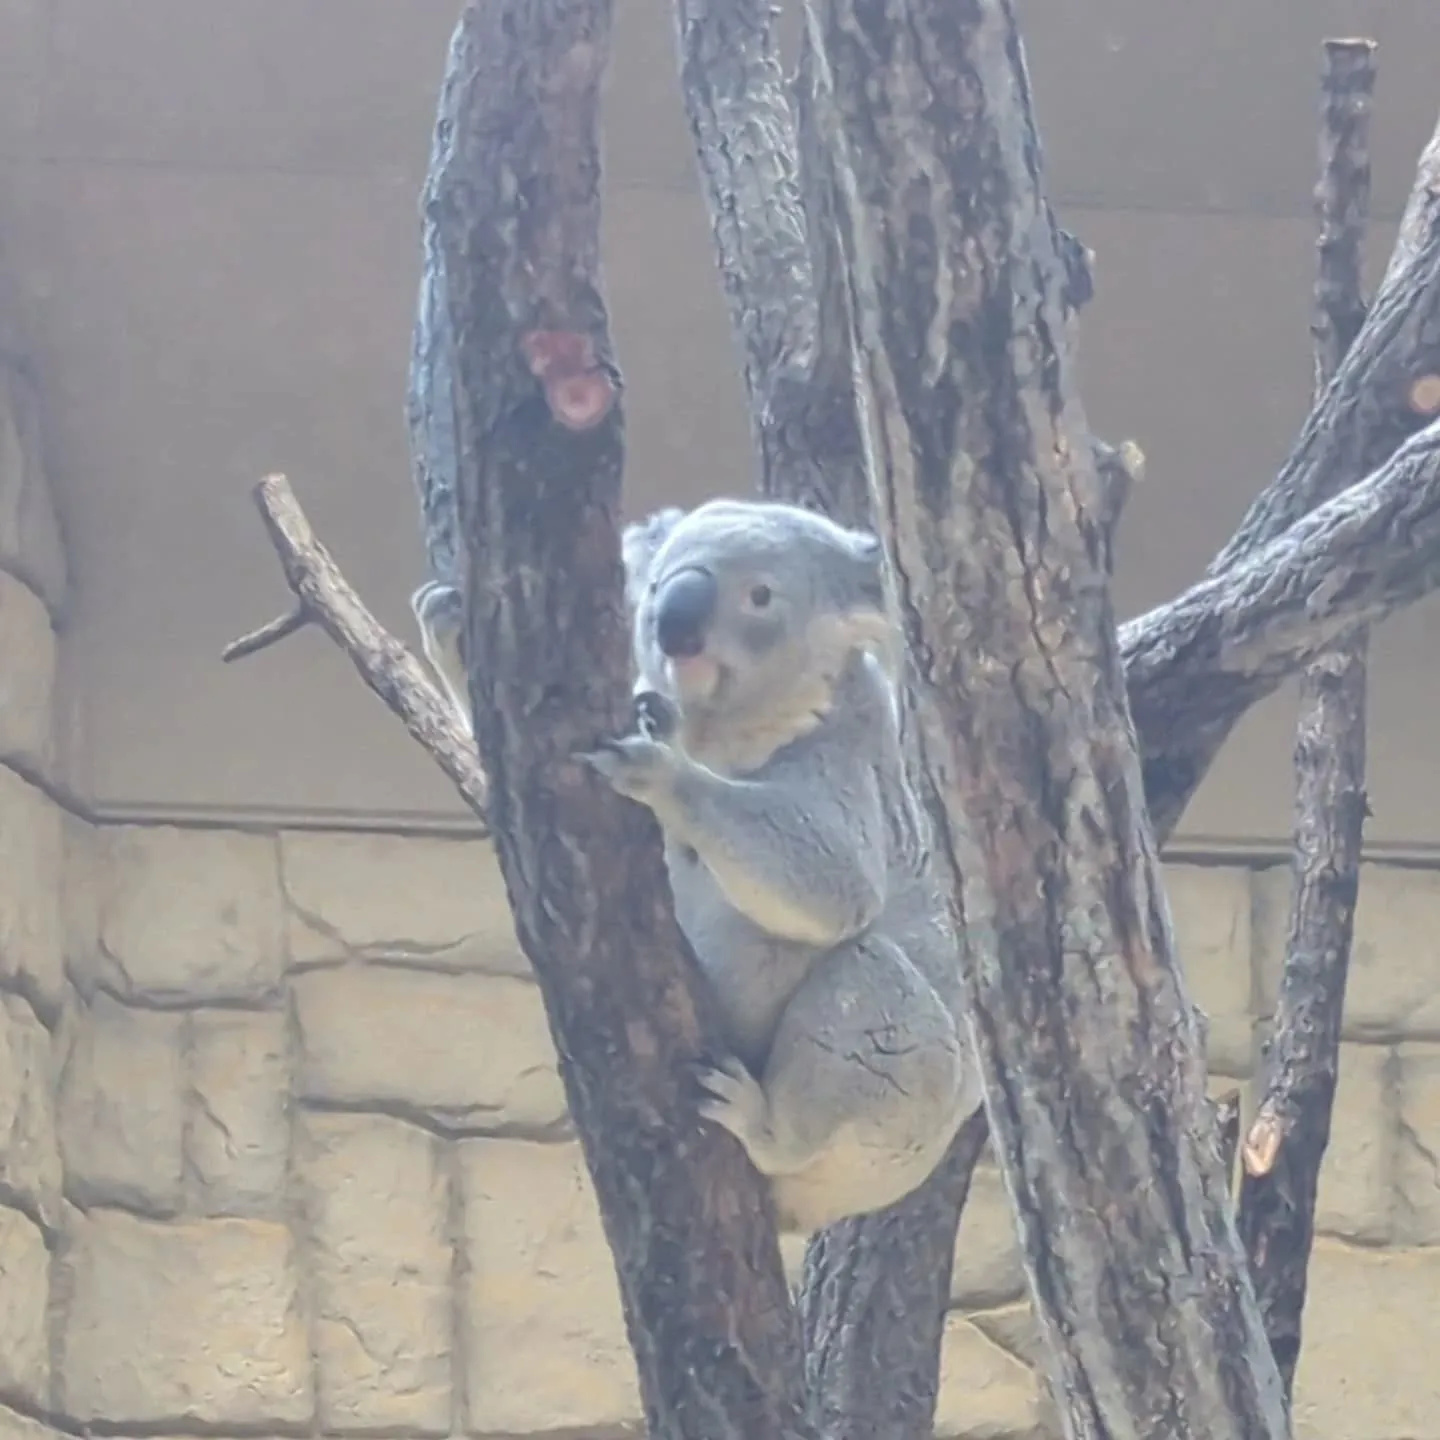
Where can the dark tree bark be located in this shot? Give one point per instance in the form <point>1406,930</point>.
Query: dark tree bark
<point>512,211</point>
<point>980,456</point>
<point>1288,1138</point>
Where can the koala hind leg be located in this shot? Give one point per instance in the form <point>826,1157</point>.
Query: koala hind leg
<point>868,1079</point>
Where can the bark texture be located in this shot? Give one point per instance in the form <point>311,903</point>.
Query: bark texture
<point>1288,1138</point>
<point>979,452</point>
<point>876,1288</point>
<point>512,210</point>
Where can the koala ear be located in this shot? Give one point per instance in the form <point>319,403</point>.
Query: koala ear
<point>870,552</point>
<point>639,544</point>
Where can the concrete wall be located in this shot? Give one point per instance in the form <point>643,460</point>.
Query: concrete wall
<point>283,1150</point>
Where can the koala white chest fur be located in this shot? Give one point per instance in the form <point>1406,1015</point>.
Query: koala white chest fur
<point>798,855</point>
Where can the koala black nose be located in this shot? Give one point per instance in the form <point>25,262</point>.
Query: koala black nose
<point>683,610</point>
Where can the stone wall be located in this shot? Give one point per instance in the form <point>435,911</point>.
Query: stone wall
<point>283,1150</point>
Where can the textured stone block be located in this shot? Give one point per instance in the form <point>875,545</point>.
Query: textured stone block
<point>27,677</point>
<point>122,1107</point>
<point>190,914</point>
<point>985,1392</point>
<point>176,1323</point>
<point>1367,1367</point>
<point>1394,982</point>
<point>1210,905</point>
<point>987,1255</point>
<point>24,1298</point>
<point>436,902</point>
<point>471,1050</point>
<point>377,1204</point>
<point>31,933</point>
<point>238,1136</point>
<point>1417,1214</point>
<point>30,544</point>
<point>29,1149</point>
<point>1356,1176</point>
<point>543,1326</point>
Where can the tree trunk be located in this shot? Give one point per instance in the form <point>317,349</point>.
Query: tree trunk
<point>876,1288</point>
<point>979,453</point>
<point>512,212</point>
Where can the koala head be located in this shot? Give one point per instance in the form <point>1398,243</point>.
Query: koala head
<point>739,605</point>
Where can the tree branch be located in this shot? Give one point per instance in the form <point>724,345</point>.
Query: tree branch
<point>1196,665</point>
<point>324,598</point>
<point>1286,1144</point>
<point>512,221</point>
<point>1386,388</point>
<point>994,514</point>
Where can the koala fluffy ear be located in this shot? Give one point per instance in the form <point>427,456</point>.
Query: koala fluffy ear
<point>639,544</point>
<point>870,552</point>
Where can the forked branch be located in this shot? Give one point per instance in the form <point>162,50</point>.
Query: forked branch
<point>323,598</point>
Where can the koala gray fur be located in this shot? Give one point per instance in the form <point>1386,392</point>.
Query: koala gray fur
<point>798,855</point>
<point>439,611</point>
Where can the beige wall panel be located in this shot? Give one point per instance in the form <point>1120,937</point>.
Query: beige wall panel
<point>228,288</point>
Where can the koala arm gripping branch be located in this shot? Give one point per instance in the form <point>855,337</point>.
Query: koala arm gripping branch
<point>802,862</point>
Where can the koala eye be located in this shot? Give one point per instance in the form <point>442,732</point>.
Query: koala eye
<point>760,596</point>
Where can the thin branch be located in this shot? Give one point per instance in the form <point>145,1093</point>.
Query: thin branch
<point>1286,1143</point>
<point>324,599</point>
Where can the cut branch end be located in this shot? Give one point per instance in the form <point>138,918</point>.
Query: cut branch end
<point>1424,396</point>
<point>1262,1144</point>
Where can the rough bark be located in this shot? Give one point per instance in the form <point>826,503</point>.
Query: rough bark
<point>875,1288</point>
<point>512,209</point>
<point>1386,388</point>
<point>979,451</point>
<point>1288,1138</point>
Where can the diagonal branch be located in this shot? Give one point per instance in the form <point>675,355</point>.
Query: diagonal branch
<point>323,598</point>
<point>1287,1141</point>
<point>1197,664</point>
<point>1385,389</point>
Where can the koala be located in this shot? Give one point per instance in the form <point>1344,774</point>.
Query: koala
<point>768,749</point>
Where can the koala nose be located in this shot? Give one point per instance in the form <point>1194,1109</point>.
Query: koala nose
<point>683,609</point>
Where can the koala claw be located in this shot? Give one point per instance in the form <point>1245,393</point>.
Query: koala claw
<point>634,766</point>
<point>734,1101</point>
<point>655,716</point>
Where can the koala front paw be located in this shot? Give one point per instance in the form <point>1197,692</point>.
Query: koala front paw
<point>637,767</point>
<point>734,1100</point>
